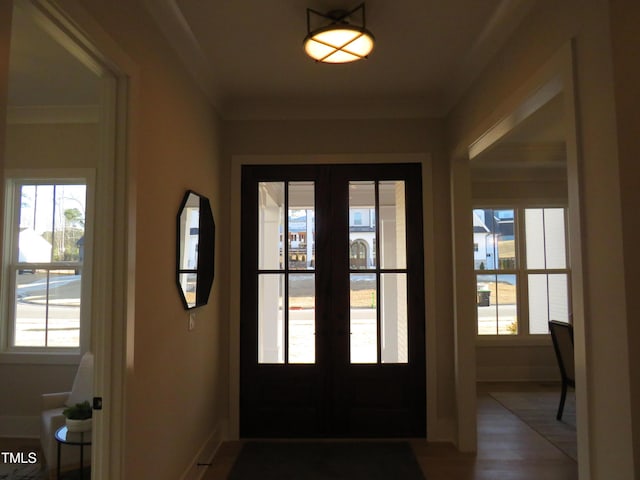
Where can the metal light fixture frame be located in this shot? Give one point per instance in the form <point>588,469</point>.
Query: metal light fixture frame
<point>340,19</point>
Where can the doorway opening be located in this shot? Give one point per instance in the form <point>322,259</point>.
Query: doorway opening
<point>66,118</point>
<point>526,168</point>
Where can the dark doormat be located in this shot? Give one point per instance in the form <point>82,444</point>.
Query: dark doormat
<point>326,460</point>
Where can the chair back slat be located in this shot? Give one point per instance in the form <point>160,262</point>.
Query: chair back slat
<point>562,336</point>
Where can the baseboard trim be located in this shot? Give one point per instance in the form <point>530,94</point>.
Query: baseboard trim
<point>17,426</point>
<point>203,458</point>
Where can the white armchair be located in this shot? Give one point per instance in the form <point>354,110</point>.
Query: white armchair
<point>51,418</point>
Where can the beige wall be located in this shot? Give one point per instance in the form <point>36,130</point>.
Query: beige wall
<point>20,401</point>
<point>176,385</point>
<point>52,146</point>
<point>508,191</point>
<point>626,45</point>
<point>512,362</point>
<point>331,136</point>
<point>602,359</point>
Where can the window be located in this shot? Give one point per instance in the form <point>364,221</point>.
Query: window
<point>522,278</point>
<point>47,249</point>
<point>547,273</point>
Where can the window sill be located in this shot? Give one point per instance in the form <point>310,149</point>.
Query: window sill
<point>39,358</point>
<point>514,341</point>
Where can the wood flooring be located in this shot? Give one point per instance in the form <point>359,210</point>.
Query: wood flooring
<point>508,449</point>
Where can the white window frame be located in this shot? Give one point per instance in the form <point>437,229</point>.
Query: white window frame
<point>522,273</point>
<point>14,179</point>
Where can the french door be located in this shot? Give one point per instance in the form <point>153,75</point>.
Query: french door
<point>332,317</point>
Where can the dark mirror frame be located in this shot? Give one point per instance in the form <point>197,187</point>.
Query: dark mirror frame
<point>206,242</point>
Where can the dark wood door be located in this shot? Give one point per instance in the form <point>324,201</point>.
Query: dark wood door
<point>332,343</point>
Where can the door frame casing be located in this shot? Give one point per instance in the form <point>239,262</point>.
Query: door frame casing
<point>436,428</point>
<point>113,294</point>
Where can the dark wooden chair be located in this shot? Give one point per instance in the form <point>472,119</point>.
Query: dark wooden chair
<point>562,336</point>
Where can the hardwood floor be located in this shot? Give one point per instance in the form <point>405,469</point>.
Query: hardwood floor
<point>508,449</point>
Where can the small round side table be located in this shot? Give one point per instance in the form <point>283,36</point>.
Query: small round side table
<point>80,439</point>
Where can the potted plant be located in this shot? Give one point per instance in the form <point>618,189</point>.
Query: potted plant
<point>78,417</point>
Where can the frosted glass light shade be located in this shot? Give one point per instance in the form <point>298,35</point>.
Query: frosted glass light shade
<point>339,44</point>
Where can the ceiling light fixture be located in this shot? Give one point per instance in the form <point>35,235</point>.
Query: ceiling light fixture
<point>339,41</point>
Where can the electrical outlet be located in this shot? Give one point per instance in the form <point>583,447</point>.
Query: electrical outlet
<point>192,321</point>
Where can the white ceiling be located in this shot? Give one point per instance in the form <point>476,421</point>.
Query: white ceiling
<point>248,55</point>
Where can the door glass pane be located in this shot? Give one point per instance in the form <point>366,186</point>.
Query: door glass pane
<point>302,232</point>
<point>497,304</point>
<point>271,318</point>
<point>548,300</point>
<point>393,313</point>
<point>363,315</point>
<point>270,225</point>
<point>393,238</point>
<point>302,322</point>
<point>362,225</point>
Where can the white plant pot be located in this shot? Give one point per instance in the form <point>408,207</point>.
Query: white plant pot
<point>78,425</point>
